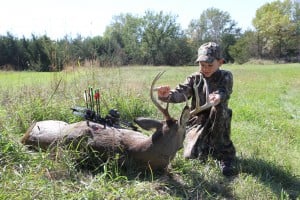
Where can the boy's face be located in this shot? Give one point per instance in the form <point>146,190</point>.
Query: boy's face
<point>207,69</point>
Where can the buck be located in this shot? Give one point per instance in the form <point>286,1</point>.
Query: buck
<point>155,151</point>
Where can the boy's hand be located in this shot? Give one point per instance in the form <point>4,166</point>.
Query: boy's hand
<point>163,91</point>
<point>215,99</point>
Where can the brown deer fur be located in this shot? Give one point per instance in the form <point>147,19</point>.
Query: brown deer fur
<point>155,151</point>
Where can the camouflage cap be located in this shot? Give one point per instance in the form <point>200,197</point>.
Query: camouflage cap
<point>208,52</point>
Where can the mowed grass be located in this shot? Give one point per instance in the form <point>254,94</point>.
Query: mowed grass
<point>265,131</point>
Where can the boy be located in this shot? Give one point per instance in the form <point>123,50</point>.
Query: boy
<point>208,132</point>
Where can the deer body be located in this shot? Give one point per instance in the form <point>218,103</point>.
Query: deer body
<point>155,151</point>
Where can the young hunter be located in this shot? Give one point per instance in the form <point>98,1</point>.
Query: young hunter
<point>208,132</point>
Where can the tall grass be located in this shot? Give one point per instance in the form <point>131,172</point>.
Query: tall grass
<point>265,131</point>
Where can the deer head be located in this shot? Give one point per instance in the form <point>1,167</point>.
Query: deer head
<point>146,123</point>
<point>168,136</point>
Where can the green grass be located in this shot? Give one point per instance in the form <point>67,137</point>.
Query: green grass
<point>265,131</point>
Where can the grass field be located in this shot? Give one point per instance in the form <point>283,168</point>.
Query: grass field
<point>265,131</point>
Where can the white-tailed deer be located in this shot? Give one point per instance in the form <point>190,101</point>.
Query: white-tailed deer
<point>155,151</point>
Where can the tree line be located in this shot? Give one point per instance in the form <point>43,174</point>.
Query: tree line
<point>157,39</point>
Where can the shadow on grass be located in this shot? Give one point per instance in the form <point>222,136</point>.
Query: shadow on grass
<point>198,187</point>
<point>281,182</point>
<point>190,183</point>
<point>271,175</point>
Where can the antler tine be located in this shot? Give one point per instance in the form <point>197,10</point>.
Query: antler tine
<point>207,104</point>
<point>164,111</point>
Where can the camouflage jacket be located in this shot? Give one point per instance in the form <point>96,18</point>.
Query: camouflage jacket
<point>220,82</point>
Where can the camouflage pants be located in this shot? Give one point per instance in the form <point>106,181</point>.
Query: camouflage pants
<point>209,134</point>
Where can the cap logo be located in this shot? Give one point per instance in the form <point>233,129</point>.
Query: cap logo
<point>202,52</point>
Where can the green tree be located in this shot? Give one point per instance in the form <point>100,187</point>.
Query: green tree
<point>41,52</point>
<point>77,51</point>
<point>245,48</point>
<point>226,42</point>
<point>5,50</point>
<point>110,52</point>
<point>10,51</point>
<point>274,24</point>
<point>294,44</point>
<point>25,59</point>
<point>214,25</point>
<point>63,53</point>
<point>179,52</point>
<point>129,29</point>
<point>91,46</point>
<point>159,32</point>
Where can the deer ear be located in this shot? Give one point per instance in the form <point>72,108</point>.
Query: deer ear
<point>147,123</point>
<point>185,115</point>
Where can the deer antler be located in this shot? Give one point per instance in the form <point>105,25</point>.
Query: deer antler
<point>207,104</point>
<point>164,111</point>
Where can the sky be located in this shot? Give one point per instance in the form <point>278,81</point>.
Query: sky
<point>89,18</point>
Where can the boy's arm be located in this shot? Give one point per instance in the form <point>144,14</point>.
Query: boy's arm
<point>225,86</point>
<point>177,95</point>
